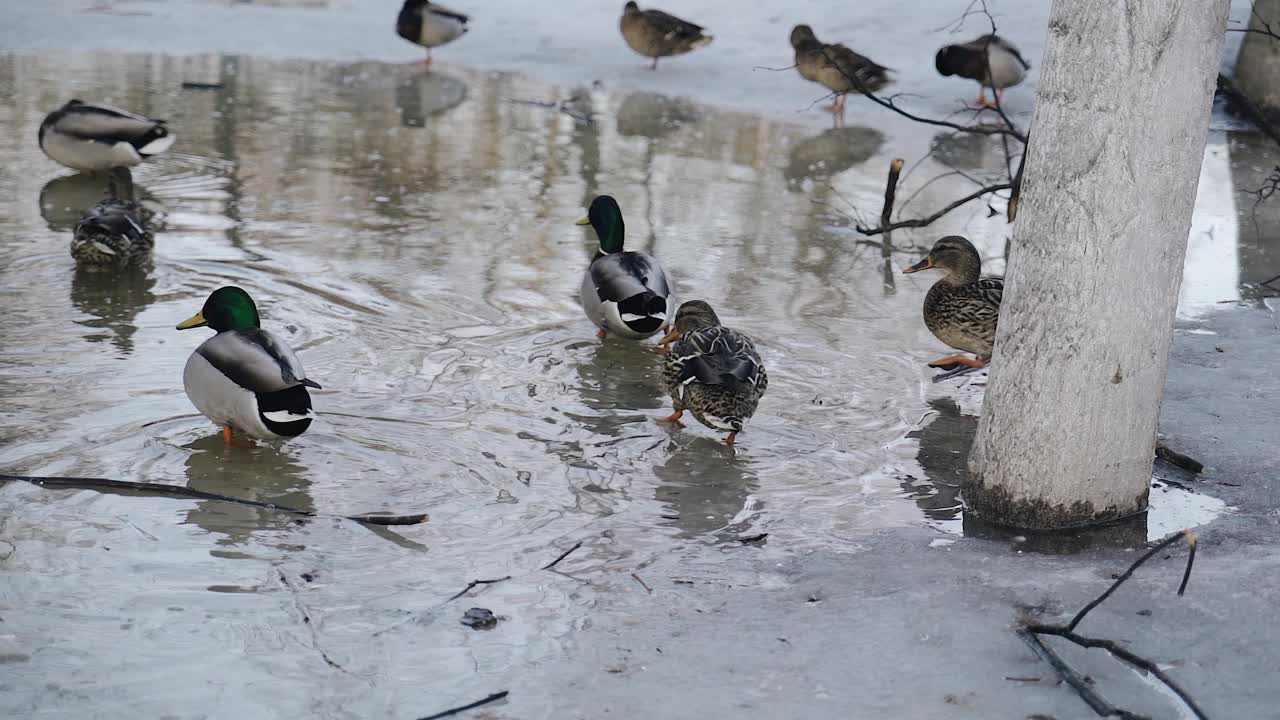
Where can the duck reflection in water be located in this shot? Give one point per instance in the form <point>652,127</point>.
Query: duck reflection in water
<point>830,153</point>
<point>704,486</point>
<point>114,299</point>
<point>944,455</point>
<point>64,199</point>
<point>650,115</point>
<point>261,472</point>
<point>618,374</point>
<point>420,96</point>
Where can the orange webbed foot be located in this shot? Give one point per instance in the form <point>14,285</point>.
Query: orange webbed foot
<point>958,360</point>
<point>673,418</point>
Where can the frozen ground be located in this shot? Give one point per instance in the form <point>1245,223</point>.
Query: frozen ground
<point>861,603</point>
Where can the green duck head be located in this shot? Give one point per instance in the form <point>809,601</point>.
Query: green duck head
<point>228,308</point>
<point>956,257</point>
<point>605,217</point>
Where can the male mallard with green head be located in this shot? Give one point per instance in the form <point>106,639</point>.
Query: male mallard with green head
<point>93,138</point>
<point>429,24</point>
<point>111,234</point>
<point>835,67</point>
<point>990,60</point>
<point>625,293</point>
<point>961,309</point>
<point>712,371</point>
<point>656,34</point>
<point>246,377</point>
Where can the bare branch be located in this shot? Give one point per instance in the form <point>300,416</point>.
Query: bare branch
<point>922,222</point>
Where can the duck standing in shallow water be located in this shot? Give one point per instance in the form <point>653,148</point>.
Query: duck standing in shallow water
<point>711,371</point>
<point>429,25</point>
<point>656,34</point>
<point>990,60</point>
<point>625,293</point>
<point>111,234</point>
<point>835,67</point>
<point>245,377</point>
<point>962,308</point>
<point>94,138</point>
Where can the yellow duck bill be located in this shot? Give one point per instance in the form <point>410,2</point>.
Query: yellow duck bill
<point>194,321</point>
<point>924,264</point>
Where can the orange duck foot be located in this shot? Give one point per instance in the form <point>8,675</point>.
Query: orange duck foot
<point>948,363</point>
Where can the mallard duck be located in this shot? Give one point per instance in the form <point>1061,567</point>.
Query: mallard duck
<point>961,309</point>
<point>111,234</point>
<point>245,377</point>
<point>711,371</point>
<point>657,34</point>
<point>835,67</point>
<point>94,138</point>
<point>625,293</point>
<point>429,24</point>
<point>971,60</point>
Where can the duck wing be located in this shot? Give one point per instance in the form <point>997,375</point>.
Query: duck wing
<point>719,356</point>
<point>671,26</point>
<point>256,360</point>
<point>114,217</point>
<point>868,74</point>
<point>101,123</point>
<point>443,11</point>
<point>618,276</point>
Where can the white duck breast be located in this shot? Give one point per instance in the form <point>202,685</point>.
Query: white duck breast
<point>1007,68</point>
<point>251,380</point>
<point>97,137</point>
<point>626,293</point>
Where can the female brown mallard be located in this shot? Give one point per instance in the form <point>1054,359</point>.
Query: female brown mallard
<point>961,309</point>
<point>711,371</point>
<point>835,67</point>
<point>990,60</point>
<point>656,34</point>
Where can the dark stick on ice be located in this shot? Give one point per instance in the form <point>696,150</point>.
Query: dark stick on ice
<point>1173,457</point>
<point>1031,633</point>
<point>474,583</point>
<point>642,583</point>
<point>562,556</point>
<point>454,711</point>
<point>890,192</point>
<point>178,491</point>
<point>1070,676</point>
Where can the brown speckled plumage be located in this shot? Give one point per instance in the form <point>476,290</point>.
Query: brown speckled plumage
<point>835,66</point>
<point>656,34</point>
<point>961,308</point>
<point>713,371</point>
<point>111,234</point>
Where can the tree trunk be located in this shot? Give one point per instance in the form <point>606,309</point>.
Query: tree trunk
<point>1069,422</point>
<point>1258,68</point>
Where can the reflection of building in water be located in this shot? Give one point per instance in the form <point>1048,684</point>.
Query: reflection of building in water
<point>262,472</point>
<point>1254,158</point>
<point>704,485</point>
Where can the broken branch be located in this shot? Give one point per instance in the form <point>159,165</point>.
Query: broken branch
<point>922,222</point>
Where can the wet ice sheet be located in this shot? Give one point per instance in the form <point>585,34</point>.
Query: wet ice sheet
<point>411,234</point>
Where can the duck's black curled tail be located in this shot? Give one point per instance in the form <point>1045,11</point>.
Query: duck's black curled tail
<point>644,313</point>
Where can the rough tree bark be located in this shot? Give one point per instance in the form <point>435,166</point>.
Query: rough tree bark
<point>1069,422</point>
